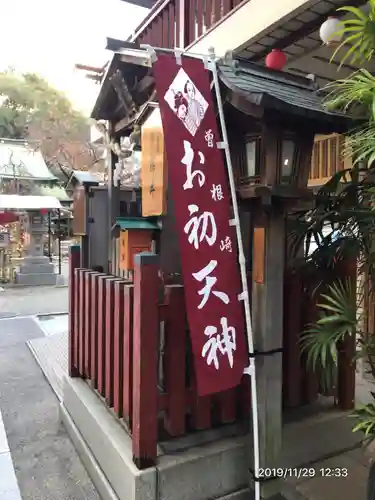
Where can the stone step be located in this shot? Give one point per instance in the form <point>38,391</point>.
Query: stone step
<point>34,279</point>
<point>37,268</point>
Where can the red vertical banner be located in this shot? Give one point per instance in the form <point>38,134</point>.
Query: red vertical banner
<point>208,245</point>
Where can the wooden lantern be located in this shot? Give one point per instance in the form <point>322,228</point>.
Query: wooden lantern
<point>153,169</point>
<point>136,236</point>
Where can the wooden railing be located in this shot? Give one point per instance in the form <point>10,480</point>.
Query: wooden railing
<point>327,158</point>
<point>130,341</point>
<point>178,23</point>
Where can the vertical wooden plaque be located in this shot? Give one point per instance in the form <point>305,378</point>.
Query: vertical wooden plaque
<point>153,168</point>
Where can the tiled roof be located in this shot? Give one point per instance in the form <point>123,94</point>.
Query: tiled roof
<point>22,160</point>
<point>274,89</point>
<point>135,223</point>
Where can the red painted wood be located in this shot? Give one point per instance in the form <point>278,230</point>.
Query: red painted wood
<point>164,18</point>
<point>118,338</point>
<point>245,397</point>
<point>177,35</point>
<point>174,360</point>
<point>109,339</point>
<point>94,329</point>
<point>157,31</point>
<point>200,406</point>
<point>228,406</point>
<point>81,333</point>
<point>145,360</point>
<point>208,14</point>
<point>191,13</point>
<point>200,15</point>
<point>77,321</point>
<point>293,304</point>
<point>88,330</point>
<point>171,25</point>
<point>227,7</point>
<point>310,385</point>
<point>217,11</point>
<point>101,332</point>
<point>127,402</point>
<point>201,412</point>
<point>74,262</point>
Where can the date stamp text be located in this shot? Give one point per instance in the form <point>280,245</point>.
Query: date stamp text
<point>302,472</point>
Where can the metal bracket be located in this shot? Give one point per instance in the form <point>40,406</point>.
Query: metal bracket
<point>249,370</point>
<point>221,145</point>
<point>151,51</point>
<point>90,220</point>
<point>232,222</point>
<point>178,55</point>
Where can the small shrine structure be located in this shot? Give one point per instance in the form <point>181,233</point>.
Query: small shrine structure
<point>131,349</point>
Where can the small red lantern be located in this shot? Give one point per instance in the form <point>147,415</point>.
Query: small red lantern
<point>43,211</point>
<point>276,59</point>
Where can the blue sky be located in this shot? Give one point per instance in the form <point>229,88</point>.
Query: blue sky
<point>49,37</point>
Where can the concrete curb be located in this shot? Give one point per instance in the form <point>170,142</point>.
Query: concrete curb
<point>17,285</point>
<point>101,483</point>
<point>9,489</point>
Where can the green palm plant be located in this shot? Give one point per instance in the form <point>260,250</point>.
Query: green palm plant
<point>347,205</point>
<point>358,32</point>
<point>321,340</point>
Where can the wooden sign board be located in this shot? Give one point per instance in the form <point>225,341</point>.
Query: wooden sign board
<point>259,255</point>
<point>153,168</point>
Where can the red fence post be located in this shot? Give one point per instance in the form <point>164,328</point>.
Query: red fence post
<point>109,338</point>
<point>94,294</point>
<point>77,318</point>
<point>74,262</point>
<point>118,339</point>
<point>82,319</point>
<point>127,403</point>
<point>88,279</point>
<point>175,354</point>
<point>101,333</point>
<point>145,359</point>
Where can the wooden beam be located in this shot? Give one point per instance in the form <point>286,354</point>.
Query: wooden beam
<point>304,31</point>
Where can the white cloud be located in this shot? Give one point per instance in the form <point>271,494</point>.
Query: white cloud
<point>49,37</point>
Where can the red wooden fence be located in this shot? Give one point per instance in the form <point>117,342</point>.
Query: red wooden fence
<point>130,341</point>
<point>178,23</point>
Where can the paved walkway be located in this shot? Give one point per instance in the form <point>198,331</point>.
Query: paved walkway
<point>45,462</point>
<point>33,300</point>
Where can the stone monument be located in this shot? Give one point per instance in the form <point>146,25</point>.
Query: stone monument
<point>36,269</point>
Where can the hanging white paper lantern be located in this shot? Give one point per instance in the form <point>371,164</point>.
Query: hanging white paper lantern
<point>328,31</point>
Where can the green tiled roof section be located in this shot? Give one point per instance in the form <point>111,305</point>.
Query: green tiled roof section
<point>135,223</point>
<point>256,82</point>
<point>55,191</point>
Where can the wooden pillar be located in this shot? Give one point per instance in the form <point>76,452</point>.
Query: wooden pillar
<point>145,359</point>
<point>267,309</point>
<point>113,201</point>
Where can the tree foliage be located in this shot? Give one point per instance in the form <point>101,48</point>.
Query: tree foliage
<point>31,108</point>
